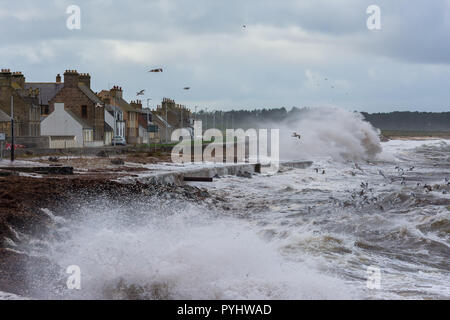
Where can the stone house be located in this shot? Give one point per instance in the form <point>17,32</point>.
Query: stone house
<point>25,102</point>
<point>114,118</point>
<point>47,90</point>
<point>83,103</point>
<point>164,131</point>
<point>5,122</point>
<point>130,111</point>
<point>177,115</point>
<point>66,130</point>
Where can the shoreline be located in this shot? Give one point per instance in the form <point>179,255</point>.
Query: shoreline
<point>24,216</point>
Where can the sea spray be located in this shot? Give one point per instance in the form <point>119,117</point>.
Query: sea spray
<point>328,132</point>
<point>161,250</point>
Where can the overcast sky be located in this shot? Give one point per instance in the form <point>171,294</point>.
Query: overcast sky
<point>281,58</point>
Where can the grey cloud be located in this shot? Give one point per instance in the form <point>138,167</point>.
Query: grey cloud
<point>202,44</point>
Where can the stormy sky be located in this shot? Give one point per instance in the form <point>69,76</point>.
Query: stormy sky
<point>281,58</point>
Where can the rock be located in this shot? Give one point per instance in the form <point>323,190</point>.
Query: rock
<point>5,173</point>
<point>244,174</point>
<point>384,138</point>
<point>118,161</point>
<point>53,159</point>
<point>102,154</point>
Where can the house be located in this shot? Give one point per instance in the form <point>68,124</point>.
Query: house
<point>177,115</point>
<point>83,103</point>
<point>25,102</point>
<point>114,97</point>
<point>47,90</point>
<point>66,129</point>
<point>164,129</point>
<point>114,118</point>
<point>5,122</point>
<point>145,125</point>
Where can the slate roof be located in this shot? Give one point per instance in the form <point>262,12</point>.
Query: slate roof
<point>90,94</point>
<point>111,109</point>
<point>47,90</point>
<point>4,117</point>
<point>164,122</point>
<point>125,106</point>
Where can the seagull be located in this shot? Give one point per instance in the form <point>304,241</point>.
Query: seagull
<point>140,93</point>
<point>156,70</point>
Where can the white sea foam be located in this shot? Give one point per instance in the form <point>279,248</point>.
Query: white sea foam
<point>187,255</point>
<point>333,132</point>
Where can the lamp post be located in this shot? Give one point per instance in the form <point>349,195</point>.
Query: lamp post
<point>12,128</point>
<point>167,124</point>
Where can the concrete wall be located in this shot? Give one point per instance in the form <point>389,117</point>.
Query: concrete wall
<point>32,142</point>
<point>61,123</point>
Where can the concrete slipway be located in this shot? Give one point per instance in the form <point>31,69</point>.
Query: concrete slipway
<point>176,173</point>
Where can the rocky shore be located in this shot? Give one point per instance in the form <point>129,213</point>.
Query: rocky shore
<point>22,199</point>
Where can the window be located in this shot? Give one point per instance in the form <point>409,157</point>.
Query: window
<point>45,110</point>
<point>84,111</point>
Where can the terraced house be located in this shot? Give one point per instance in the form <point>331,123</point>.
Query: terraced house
<point>26,108</point>
<point>84,104</point>
<point>114,97</point>
<point>177,115</point>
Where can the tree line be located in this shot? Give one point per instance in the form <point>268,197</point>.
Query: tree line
<point>397,120</point>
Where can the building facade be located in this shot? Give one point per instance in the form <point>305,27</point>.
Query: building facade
<point>81,101</point>
<point>130,111</point>
<point>26,109</point>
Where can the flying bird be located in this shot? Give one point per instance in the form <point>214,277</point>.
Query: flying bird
<point>156,70</point>
<point>244,26</point>
<point>296,135</point>
<point>140,93</point>
<point>186,88</point>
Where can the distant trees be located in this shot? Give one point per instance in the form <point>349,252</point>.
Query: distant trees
<point>416,121</point>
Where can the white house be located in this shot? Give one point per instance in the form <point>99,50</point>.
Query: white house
<point>118,125</point>
<point>66,130</point>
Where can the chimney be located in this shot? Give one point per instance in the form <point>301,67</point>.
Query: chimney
<point>85,78</point>
<point>19,79</point>
<point>5,77</point>
<point>58,78</point>
<point>136,104</point>
<point>71,79</point>
<point>116,92</point>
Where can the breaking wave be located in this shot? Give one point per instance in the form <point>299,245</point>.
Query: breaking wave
<point>330,132</point>
<point>174,252</point>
